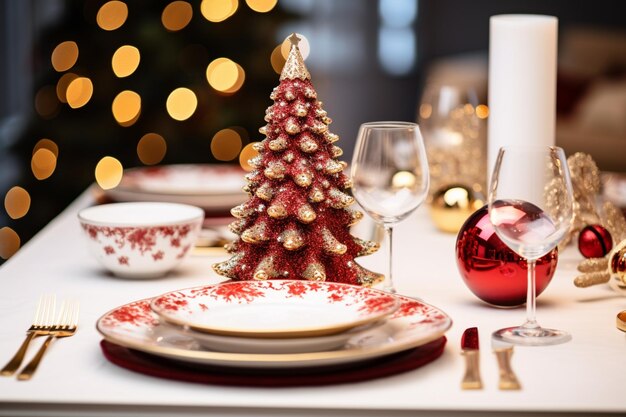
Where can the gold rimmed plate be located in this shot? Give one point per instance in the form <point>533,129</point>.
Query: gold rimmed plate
<point>259,345</point>
<point>137,327</point>
<point>274,309</point>
<point>208,186</point>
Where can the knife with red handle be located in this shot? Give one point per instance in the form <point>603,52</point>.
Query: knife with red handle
<point>470,350</point>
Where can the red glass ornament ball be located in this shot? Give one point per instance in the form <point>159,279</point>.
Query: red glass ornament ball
<point>492,271</point>
<point>594,241</point>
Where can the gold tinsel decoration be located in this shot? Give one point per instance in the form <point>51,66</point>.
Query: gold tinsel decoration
<point>587,186</point>
<point>611,269</point>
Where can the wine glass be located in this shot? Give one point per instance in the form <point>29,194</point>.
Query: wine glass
<point>531,209</point>
<point>453,123</point>
<point>389,175</point>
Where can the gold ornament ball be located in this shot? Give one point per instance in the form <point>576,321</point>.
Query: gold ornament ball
<point>452,205</point>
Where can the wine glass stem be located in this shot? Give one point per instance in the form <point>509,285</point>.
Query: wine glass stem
<point>531,297</point>
<point>388,286</point>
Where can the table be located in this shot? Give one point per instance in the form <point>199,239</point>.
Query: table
<point>585,375</point>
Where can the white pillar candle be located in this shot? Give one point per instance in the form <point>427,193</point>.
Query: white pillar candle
<point>522,82</point>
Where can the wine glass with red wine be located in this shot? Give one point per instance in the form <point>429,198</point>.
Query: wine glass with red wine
<point>531,209</point>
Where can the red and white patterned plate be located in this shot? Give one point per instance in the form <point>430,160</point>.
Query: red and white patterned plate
<point>260,345</point>
<point>137,327</point>
<point>274,309</point>
<point>211,187</point>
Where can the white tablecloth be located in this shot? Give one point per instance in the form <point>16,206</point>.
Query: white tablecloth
<point>587,374</point>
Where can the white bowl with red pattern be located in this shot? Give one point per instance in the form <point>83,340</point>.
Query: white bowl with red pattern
<point>141,240</point>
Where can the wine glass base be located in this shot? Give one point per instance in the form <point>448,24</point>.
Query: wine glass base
<point>531,337</point>
<point>391,290</point>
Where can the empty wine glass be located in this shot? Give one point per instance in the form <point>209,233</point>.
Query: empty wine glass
<point>453,123</point>
<point>531,209</point>
<point>389,175</point>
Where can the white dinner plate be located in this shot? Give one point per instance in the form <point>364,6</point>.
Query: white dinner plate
<point>211,187</point>
<point>136,326</point>
<point>260,345</point>
<point>274,308</point>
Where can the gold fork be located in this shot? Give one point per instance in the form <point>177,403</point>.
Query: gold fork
<point>44,316</point>
<point>65,326</point>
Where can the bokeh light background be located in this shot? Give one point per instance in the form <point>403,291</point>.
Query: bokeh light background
<point>92,87</point>
<point>121,84</point>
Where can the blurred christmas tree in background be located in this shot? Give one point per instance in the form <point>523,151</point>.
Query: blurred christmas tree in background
<point>123,84</point>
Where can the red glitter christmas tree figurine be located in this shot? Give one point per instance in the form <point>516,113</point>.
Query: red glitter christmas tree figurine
<point>296,223</point>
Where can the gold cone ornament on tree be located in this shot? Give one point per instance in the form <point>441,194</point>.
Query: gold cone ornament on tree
<point>296,223</point>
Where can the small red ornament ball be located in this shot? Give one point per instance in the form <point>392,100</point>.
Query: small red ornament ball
<point>492,271</point>
<point>595,241</point>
